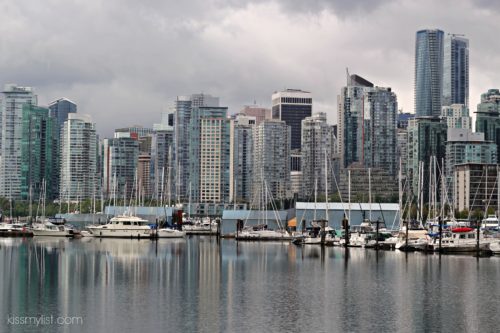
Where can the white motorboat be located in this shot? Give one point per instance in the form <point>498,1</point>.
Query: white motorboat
<point>123,227</point>
<point>47,228</point>
<point>204,226</point>
<point>14,230</point>
<point>263,234</point>
<point>462,239</point>
<point>495,246</point>
<point>170,233</point>
<point>417,240</point>
<point>491,222</point>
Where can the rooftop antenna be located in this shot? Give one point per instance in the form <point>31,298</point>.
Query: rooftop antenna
<point>348,77</point>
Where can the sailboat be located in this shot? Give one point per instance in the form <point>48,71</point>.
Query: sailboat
<point>166,232</point>
<point>321,232</point>
<point>50,227</point>
<point>261,231</point>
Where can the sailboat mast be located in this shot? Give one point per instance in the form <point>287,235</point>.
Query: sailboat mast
<point>370,191</point>
<point>326,187</point>
<point>349,193</point>
<point>400,192</point>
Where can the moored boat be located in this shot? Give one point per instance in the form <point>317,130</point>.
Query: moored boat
<point>461,240</point>
<point>122,227</point>
<point>47,228</point>
<point>14,230</point>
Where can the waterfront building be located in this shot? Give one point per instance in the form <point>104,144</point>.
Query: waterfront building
<point>455,70</point>
<point>429,49</point>
<point>488,117</point>
<point>318,146</point>
<point>426,139</point>
<point>183,106</point>
<point>456,116</point>
<point>209,155</point>
<point>367,125</point>
<point>78,171</point>
<point>120,160</point>
<point>292,106</point>
<point>12,99</point>
<point>476,186</point>
<point>295,160</point>
<point>271,162</point>
<point>464,146</point>
<point>384,187</point>
<point>162,164</point>
<point>38,147</point>
<point>241,158</point>
<point>260,113</point>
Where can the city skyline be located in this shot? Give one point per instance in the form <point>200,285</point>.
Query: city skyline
<point>239,54</point>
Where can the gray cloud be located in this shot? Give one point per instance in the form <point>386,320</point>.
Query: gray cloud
<point>124,62</point>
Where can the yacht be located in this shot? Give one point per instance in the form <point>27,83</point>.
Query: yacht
<point>203,226</point>
<point>461,239</point>
<point>122,227</point>
<point>14,230</point>
<point>417,240</point>
<point>47,228</point>
<point>490,223</point>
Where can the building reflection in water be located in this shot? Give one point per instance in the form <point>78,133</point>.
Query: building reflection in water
<point>205,284</point>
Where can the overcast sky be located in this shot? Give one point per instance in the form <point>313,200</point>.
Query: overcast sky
<point>123,61</point>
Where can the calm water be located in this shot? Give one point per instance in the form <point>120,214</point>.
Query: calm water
<point>198,284</point>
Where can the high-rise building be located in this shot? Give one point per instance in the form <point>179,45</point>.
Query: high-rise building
<point>120,159</point>
<point>38,146</point>
<point>60,108</point>
<point>241,158</point>
<point>292,106</point>
<point>136,131</point>
<point>318,144</point>
<point>11,127</point>
<point>464,146</point>
<point>429,48</point>
<point>163,164</point>
<point>402,149</point>
<point>456,116</point>
<point>183,107</point>
<point>476,186</point>
<point>144,177</point>
<point>426,139</point>
<point>384,187</point>
<point>456,70</point>
<point>209,155</point>
<point>271,162</point>
<point>260,113</point>
<point>403,118</point>
<point>488,117</point>
<point>78,171</point>
<point>367,125</point>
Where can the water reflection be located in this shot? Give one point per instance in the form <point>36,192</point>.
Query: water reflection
<point>205,284</point>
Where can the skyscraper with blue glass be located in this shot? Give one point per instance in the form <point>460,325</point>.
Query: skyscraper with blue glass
<point>456,70</point>
<point>429,48</point>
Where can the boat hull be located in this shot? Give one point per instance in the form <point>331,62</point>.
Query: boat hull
<point>121,233</point>
<point>170,233</point>
<point>53,233</point>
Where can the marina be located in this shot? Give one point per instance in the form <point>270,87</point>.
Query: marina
<point>207,284</point>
